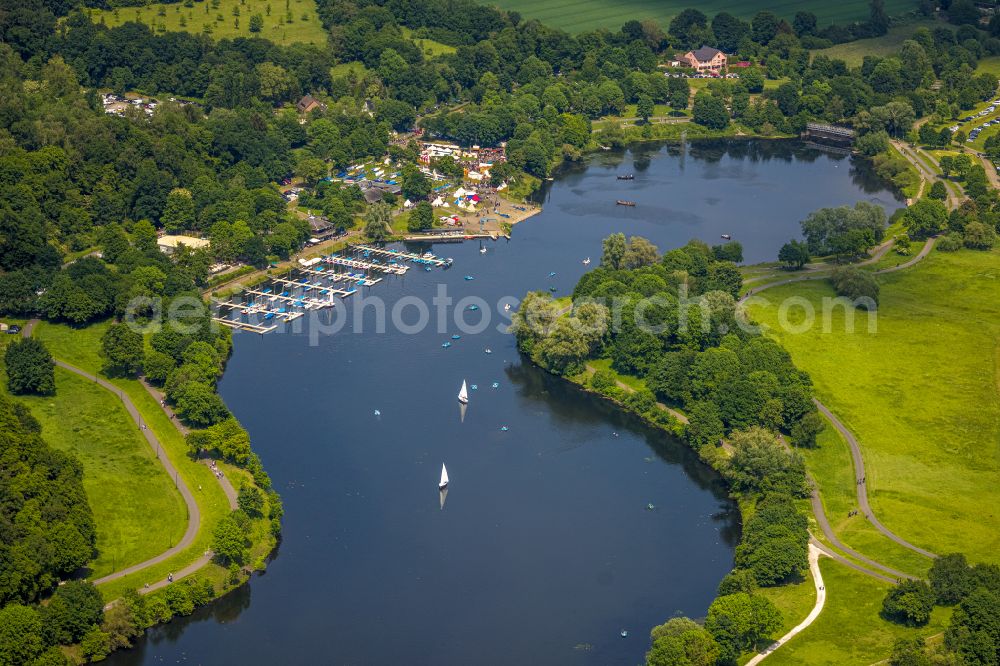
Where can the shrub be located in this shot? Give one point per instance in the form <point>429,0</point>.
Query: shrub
<point>950,242</point>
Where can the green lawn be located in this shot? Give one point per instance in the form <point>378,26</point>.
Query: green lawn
<point>921,394</point>
<point>137,509</point>
<point>990,65</point>
<point>79,347</point>
<point>853,53</point>
<point>285,21</point>
<point>580,15</point>
<point>429,46</point>
<point>849,630</point>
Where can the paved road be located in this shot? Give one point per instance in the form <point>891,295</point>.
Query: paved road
<point>924,251</point>
<point>817,575</point>
<point>850,563</point>
<point>861,482</point>
<point>194,513</point>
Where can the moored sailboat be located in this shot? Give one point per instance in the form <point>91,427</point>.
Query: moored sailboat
<point>443,483</point>
<point>463,394</point>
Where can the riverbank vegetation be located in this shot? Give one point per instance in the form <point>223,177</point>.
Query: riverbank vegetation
<point>667,327</point>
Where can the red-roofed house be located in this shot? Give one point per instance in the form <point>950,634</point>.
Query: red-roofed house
<point>706,59</point>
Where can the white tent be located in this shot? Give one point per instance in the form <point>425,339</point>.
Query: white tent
<point>475,175</point>
<point>437,202</point>
<point>459,193</point>
<point>503,186</point>
<point>407,204</point>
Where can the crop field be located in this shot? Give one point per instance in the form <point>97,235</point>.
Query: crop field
<point>581,15</point>
<point>285,21</point>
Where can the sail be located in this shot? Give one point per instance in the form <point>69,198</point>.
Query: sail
<point>463,394</point>
<point>444,476</point>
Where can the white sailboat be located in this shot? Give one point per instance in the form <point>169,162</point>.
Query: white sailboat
<point>463,394</point>
<point>444,478</point>
<point>586,262</point>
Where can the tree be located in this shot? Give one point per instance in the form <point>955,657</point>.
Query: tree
<point>178,213</point>
<point>910,602</point>
<point>614,248</point>
<point>926,217</point>
<point>198,404</point>
<point>710,111</point>
<point>951,579</point>
<point>250,500</point>
<point>759,463</point>
<point>978,236</point>
<point>20,635</point>
<point>256,23</point>
<point>95,645</point>
<point>122,349</point>
<point>229,543</point>
<point>737,580</point>
<point>638,253</point>
<point>421,217</point>
<point>806,429</point>
<point>856,284</point>
<point>872,143</point>
<point>804,24</point>
<point>682,642</point>
<point>377,221</point>
<point>30,369</point>
<point>415,186</point>
<point>731,251</point>
<point>878,19</point>
<point>738,621</point>
<point>74,608</point>
<point>644,108</point>
<point>938,191</point>
<point>794,254</point>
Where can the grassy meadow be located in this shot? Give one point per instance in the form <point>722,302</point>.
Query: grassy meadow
<point>285,21</point>
<point>581,15</point>
<point>853,53</point>
<point>849,630</point>
<point>922,395</point>
<point>79,347</point>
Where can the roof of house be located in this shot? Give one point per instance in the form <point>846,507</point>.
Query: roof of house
<point>319,223</point>
<point>174,241</point>
<point>373,194</point>
<point>306,102</point>
<point>705,53</point>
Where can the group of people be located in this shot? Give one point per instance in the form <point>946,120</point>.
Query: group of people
<point>215,470</point>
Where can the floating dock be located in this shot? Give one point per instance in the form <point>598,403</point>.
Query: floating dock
<point>392,269</point>
<point>426,258</point>
<point>244,326</point>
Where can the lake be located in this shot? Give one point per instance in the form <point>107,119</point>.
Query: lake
<point>545,547</point>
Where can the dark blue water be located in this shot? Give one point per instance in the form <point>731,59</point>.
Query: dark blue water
<point>545,549</point>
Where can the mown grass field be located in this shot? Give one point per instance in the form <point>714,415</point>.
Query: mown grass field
<point>922,395</point>
<point>285,21</point>
<point>138,511</point>
<point>79,347</point>
<point>849,630</point>
<point>580,15</point>
<point>128,491</point>
<point>853,53</point>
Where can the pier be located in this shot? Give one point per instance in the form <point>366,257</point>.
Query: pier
<point>392,269</point>
<point>363,280</point>
<point>244,326</point>
<point>426,258</point>
<point>305,285</point>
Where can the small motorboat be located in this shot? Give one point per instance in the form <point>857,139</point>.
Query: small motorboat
<point>456,336</point>
<point>482,250</point>
<point>627,176</point>
<point>625,202</point>
<point>504,428</point>
<point>623,633</point>
<point>506,307</point>
<point>586,262</point>
<point>446,345</point>
<point>473,308</point>
<point>552,274</point>
<point>496,384</point>
<point>489,351</point>
<point>378,413</point>
<point>727,237</point>
<point>469,277</point>
<point>474,387</point>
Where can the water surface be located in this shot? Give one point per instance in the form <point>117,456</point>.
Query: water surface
<point>545,548</point>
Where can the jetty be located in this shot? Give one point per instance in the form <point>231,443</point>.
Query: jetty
<point>323,290</point>
<point>244,326</point>
<point>392,269</point>
<point>426,258</point>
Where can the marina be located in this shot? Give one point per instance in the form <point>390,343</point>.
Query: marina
<point>426,258</point>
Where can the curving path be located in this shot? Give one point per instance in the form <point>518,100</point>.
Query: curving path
<point>817,576</point>
<point>861,482</point>
<point>193,511</point>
